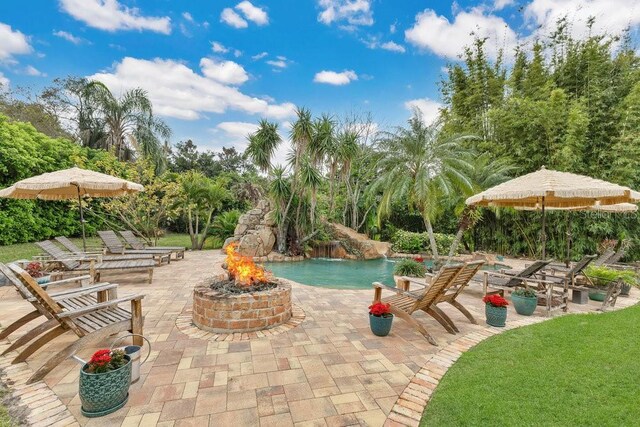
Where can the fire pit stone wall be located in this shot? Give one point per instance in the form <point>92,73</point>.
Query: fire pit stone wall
<point>247,312</point>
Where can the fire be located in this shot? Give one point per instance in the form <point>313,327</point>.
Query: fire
<point>243,270</point>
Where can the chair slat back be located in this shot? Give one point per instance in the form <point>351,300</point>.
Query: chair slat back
<point>57,253</point>
<point>604,257</point>
<point>527,272</point>
<point>438,285</point>
<point>462,279</point>
<point>132,239</point>
<point>24,292</point>
<point>580,265</point>
<point>43,298</point>
<point>111,241</point>
<point>67,243</point>
<point>620,253</point>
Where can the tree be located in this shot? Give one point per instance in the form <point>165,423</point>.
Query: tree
<point>420,167</point>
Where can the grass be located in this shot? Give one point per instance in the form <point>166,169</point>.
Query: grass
<point>574,370</point>
<point>28,250</point>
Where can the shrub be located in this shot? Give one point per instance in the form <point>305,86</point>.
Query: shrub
<point>409,267</point>
<point>410,242</point>
<point>601,276</point>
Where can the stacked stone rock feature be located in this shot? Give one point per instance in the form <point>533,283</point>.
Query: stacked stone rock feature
<point>255,232</point>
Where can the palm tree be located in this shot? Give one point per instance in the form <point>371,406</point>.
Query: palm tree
<point>262,144</point>
<point>419,166</point>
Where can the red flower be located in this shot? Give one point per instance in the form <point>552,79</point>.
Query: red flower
<point>495,300</point>
<point>101,358</point>
<point>418,259</point>
<point>379,309</point>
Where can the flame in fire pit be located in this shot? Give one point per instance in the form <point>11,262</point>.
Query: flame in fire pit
<point>243,270</point>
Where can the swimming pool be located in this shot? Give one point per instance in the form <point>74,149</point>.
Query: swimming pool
<point>339,273</point>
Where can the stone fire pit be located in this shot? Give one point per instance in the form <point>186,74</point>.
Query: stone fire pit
<point>221,312</point>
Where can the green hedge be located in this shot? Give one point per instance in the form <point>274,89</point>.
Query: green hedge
<point>418,243</point>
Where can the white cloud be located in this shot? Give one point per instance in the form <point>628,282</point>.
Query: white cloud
<point>227,72</point>
<point>110,15</point>
<point>178,91</point>
<point>393,27</point>
<point>393,47</point>
<point>353,12</point>
<point>237,132</point>
<point>334,78</point>
<point>33,71</point>
<point>253,13</point>
<point>501,4</point>
<point>4,82</point>
<point>13,43</point>
<point>428,108</point>
<point>612,16</point>
<point>187,16</point>
<point>259,56</point>
<point>219,47</point>
<point>68,37</point>
<point>278,63</point>
<point>230,17</point>
<point>237,53</point>
<point>448,39</point>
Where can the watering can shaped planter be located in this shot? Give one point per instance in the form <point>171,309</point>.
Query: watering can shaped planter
<point>133,351</point>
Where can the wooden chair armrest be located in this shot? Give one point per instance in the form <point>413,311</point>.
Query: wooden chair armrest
<point>413,281</point>
<point>71,293</point>
<point>69,280</point>
<point>524,279</point>
<point>379,285</point>
<point>101,306</point>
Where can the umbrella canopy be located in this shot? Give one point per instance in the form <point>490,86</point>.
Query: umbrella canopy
<point>555,189</point>
<point>68,184</point>
<point>617,208</point>
<point>546,188</point>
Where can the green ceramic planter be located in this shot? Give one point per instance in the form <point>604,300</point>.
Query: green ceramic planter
<point>102,394</point>
<point>496,316</point>
<point>626,288</point>
<point>380,326</point>
<point>524,305</point>
<point>596,295</point>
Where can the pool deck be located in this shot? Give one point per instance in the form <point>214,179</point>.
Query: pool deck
<point>325,370</point>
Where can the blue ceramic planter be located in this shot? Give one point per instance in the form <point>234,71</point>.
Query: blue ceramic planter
<point>380,326</point>
<point>496,316</point>
<point>104,393</point>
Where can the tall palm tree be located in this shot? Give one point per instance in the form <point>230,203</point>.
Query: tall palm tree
<point>419,166</point>
<point>263,144</point>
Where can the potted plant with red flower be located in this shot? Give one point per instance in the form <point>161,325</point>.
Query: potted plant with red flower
<point>380,318</point>
<point>104,383</point>
<point>495,309</point>
<point>35,270</point>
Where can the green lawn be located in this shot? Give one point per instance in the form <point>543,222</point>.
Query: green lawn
<point>28,250</point>
<point>579,370</point>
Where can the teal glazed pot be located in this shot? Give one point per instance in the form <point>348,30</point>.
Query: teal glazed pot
<point>380,326</point>
<point>496,316</point>
<point>104,393</point>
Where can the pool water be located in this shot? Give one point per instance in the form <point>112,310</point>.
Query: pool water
<point>341,273</point>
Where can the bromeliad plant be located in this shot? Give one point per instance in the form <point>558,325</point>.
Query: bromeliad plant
<point>34,269</point>
<point>495,300</point>
<point>105,361</point>
<point>380,309</point>
<point>524,292</point>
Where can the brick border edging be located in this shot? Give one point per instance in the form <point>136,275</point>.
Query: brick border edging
<point>408,409</point>
<point>185,324</point>
<point>44,407</point>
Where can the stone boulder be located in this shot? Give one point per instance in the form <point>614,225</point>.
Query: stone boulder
<point>359,244</point>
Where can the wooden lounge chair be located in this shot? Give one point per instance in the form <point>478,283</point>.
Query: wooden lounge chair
<point>509,280</point>
<point>404,303</point>
<point>459,283</point>
<point>115,246</point>
<point>570,275</point>
<point>136,243</point>
<point>76,251</point>
<point>91,323</point>
<point>91,265</point>
<point>80,295</point>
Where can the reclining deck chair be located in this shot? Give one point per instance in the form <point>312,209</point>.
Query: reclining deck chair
<point>76,251</point>
<point>74,263</point>
<point>115,246</point>
<point>137,244</point>
<point>459,283</point>
<point>406,302</point>
<point>509,281</point>
<point>91,323</point>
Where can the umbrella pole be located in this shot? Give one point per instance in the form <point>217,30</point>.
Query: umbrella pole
<point>543,237</point>
<point>569,237</point>
<point>84,239</point>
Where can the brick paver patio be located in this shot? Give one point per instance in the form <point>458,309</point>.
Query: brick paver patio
<point>329,370</point>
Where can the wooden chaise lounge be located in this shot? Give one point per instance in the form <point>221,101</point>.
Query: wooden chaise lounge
<point>76,251</point>
<point>511,279</point>
<point>138,244</point>
<point>91,323</point>
<point>404,303</point>
<point>115,246</point>
<point>94,267</point>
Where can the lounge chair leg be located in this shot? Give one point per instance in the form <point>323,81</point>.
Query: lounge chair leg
<point>442,318</point>
<point>136,321</point>
<point>19,323</point>
<point>150,275</point>
<point>71,349</point>
<point>464,311</point>
<point>407,317</point>
<point>39,343</point>
<point>31,335</point>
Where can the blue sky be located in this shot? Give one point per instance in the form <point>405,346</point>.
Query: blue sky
<point>213,68</point>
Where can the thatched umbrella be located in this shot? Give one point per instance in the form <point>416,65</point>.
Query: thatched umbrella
<point>70,184</point>
<point>547,188</point>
